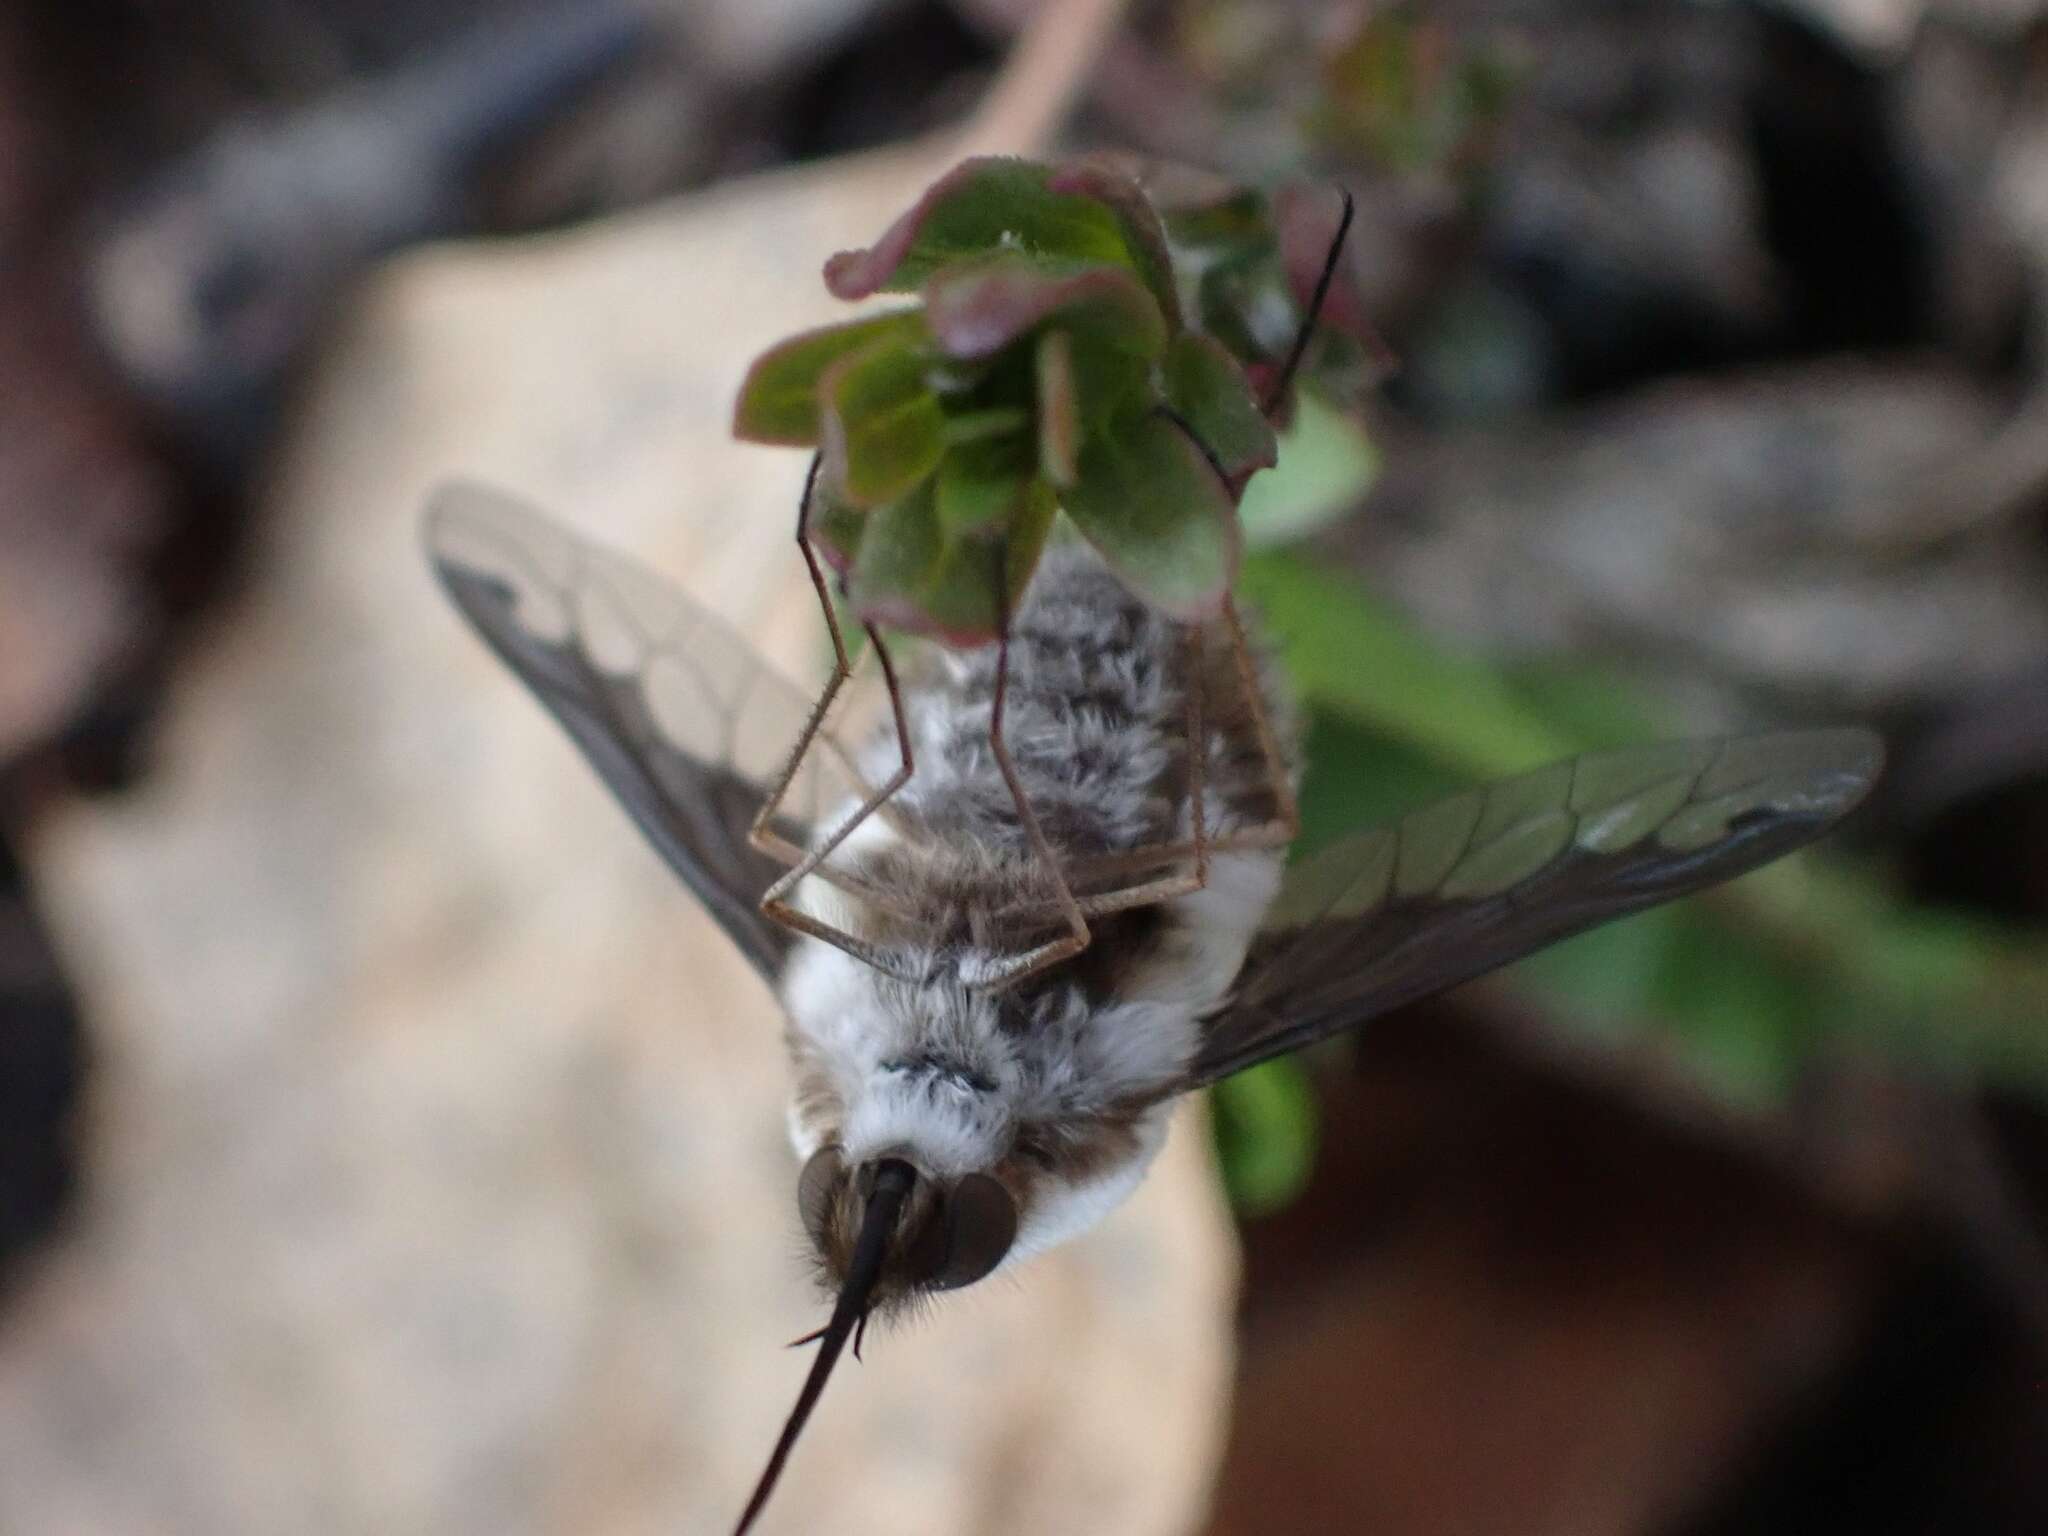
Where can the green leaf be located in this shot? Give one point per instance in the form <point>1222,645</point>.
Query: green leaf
<point>1752,982</point>
<point>976,309</point>
<point>778,399</point>
<point>1358,777</point>
<point>1205,384</point>
<point>1150,503</point>
<point>900,551</point>
<point>978,208</point>
<point>883,427</point>
<point>1144,235</point>
<point>960,605</point>
<point>1252,264</point>
<point>1326,465</point>
<point>981,484</point>
<point>1737,1011</point>
<point>1110,384</point>
<point>1059,410</point>
<point>1352,653</point>
<point>912,577</point>
<point>994,421</point>
<point>1265,1130</point>
<point>1249,310</point>
<point>1610,976</point>
<point>1029,531</point>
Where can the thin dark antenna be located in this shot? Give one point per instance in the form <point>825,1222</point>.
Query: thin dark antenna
<point>1307,332</point>
<point>878,1224</point>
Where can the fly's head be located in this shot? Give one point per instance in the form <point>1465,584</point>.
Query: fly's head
<point>946,1130</point>
<point>1025,1116</point>
<point>948,1232</point>
<point>899,1192</point>
<point>923,1075</point>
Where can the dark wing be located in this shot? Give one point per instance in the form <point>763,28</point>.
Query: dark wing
<point>1396,913</point>
<point>680,717</point>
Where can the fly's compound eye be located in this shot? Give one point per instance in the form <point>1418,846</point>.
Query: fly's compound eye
<point>814,1190</point>
<point>967,1236</point>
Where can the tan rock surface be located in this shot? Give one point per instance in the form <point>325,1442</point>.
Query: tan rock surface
<point>439,1181</point>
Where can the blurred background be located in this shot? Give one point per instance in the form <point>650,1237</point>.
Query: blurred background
<point>1719,397</point>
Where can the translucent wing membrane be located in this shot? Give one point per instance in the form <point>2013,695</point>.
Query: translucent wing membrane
<point>682,719</point>
<point>1468,884</point>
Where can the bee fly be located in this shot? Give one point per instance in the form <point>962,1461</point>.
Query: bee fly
<point>948,1130</point>
<point>972,1087</point>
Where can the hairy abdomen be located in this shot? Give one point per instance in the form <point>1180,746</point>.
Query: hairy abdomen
<point>1096,722</point>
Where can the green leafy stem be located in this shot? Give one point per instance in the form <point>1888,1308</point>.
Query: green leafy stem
<point>1076,351</point>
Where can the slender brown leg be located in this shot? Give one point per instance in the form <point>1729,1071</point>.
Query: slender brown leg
<point>1014,970</point>
<point>762,833</point>
<point>775,900</point>
<point>1307,329</point>
<point>1286,822</point>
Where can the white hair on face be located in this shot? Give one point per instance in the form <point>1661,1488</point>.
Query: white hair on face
<point>862,1029</point>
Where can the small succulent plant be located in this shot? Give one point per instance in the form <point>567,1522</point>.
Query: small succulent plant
<point>1076,350</point>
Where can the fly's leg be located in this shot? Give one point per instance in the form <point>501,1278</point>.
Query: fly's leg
<point>1286,822</point>
<point>1306,331</point>
<point>762,833</point>
<point>1075,939</point>
<point>775,902</point>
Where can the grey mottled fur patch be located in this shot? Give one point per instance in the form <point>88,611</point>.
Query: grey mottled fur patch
<point>1096,724</point>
